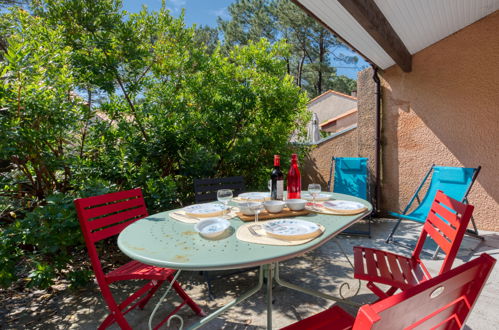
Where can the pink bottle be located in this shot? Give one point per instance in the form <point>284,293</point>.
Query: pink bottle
<point>294,179</point>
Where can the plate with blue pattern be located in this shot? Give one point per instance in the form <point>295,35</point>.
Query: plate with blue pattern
<point>207,210</point>
<point>254,196</point>
<point>291,229</point>
<point>345,207</point>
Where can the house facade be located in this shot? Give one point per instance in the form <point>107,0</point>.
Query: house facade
<point>438,72</point>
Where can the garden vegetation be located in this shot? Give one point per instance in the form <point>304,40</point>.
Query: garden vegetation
<point>95,100</point>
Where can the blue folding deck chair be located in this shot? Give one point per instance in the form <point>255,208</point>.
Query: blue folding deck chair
<point>350,178</point>
<point>455,182</point>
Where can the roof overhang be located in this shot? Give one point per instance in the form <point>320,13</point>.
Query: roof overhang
<point>388,32</point>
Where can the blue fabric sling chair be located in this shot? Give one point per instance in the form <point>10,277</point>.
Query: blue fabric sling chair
<point>350,178</point>
<point>455,182</point>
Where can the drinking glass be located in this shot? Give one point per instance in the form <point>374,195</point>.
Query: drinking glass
<point>224,196</point>
<point>314,189</point>
<point>256,207</point>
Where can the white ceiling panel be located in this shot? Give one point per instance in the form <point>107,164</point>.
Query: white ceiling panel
<point>421,23</point>
<point>418,23</point>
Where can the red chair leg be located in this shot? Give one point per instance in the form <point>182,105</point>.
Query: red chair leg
<point>148,297</point>
<point>377,291</point>
<point>107,321</point>
<point>391,291</point>
<point>196,309</point>
<point>115,316</point>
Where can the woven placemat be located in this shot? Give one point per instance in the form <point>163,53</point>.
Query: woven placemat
<point>181,216</point>
<point>319,208</point>
<point>243,233</point>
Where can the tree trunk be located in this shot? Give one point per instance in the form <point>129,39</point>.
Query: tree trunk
<point>321,62</point>
<point>300,70</point>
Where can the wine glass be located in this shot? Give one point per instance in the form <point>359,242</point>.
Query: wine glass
<point>314,189</point>
<point>224,196</point>
<point>256,207</point>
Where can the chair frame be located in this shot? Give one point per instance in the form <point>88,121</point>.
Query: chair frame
<point>446,224</point>
<point>443,302</point>
<point>350,231</point>
<point>205,190</point>
<point>415,196</point>
<point>105,216</point>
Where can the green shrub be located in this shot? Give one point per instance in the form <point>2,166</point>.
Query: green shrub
<point>96,100</point>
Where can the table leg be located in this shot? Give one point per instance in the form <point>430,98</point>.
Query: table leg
<point>222,309</point>
<point>310,291</point>
<point>162,298</point>
<point>270,281</point>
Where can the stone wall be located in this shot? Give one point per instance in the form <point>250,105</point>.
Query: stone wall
<point>316,166</point>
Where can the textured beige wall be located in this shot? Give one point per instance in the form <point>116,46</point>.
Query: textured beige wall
<point>342,123</point>
<point>331,105</point>
<point>366,125</point>
<point>446,111</point>
<point>316,166</point>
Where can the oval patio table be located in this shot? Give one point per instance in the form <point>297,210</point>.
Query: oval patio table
<point>159,240</point>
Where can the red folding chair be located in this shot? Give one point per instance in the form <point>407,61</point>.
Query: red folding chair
<point>443,302</point>
<point>105,216</point>
<point>446,224</point>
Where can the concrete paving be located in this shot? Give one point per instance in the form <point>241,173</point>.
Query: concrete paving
<point>324,269</point>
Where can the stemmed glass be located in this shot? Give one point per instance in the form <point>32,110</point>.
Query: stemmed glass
<point>314,189</point>
<point>256,207</point>
<point>224,196</point>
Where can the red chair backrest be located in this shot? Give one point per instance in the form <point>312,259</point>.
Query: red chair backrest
<point>107,215</point>
<point>442,302</point>
<point>446,224</point>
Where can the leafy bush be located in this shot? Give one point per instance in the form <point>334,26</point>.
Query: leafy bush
<point>96,100</point>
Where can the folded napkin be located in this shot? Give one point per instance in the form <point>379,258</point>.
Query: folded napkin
<point>180,215</point>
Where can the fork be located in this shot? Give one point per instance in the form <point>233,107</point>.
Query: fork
<point>253,231</point>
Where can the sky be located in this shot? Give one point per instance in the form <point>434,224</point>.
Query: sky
<point>205,12</point>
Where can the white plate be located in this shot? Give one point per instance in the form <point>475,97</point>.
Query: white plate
<point>212,227</point>
<point>207,210</point>
<point>255,196</point>
<point>344,206</point>
<point>291,229</point>
<point>319,197</point>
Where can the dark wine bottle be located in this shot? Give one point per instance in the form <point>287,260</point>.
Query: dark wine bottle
<point>277,178</point>
<point>294,179</point>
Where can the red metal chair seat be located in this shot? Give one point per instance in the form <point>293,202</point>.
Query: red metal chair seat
<point>388,268</point>
<point>105,216</point>
<point>442,302</point>
<point>136,270</point>
<point>446,224</point>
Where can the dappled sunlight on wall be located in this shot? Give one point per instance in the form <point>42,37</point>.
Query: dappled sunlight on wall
<point>445,112</point>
